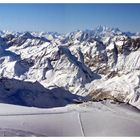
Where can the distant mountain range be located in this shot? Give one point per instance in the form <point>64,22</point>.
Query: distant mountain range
<point>98,64</point>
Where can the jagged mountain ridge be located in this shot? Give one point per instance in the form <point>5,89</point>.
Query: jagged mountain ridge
<point>103,63</point>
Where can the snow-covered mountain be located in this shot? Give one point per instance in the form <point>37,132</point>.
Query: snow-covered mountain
<point>103,63</point>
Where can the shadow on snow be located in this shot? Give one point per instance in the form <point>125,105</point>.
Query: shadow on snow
<point>30,94</point>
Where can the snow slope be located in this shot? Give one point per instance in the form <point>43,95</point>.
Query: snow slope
<point>89,119</point>
<point>99,64</point>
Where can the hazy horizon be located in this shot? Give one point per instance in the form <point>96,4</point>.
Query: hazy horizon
<point>64,18</point>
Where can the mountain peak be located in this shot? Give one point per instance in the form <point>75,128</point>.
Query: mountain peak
<point>101,28</point>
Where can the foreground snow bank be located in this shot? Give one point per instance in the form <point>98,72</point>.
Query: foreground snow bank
<point>89,119</point>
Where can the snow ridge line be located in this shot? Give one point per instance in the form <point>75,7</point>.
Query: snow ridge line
<point>30,114</point>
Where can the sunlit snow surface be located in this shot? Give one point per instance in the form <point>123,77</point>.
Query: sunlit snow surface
<point>45,76</point>
<point>88,119</point>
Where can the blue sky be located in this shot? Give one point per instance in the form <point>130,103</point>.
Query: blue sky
<point>68,17</point>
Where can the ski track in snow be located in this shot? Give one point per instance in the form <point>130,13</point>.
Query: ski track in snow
<point>81,125</point>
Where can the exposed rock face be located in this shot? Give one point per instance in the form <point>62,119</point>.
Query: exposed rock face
<point>103,63</point>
